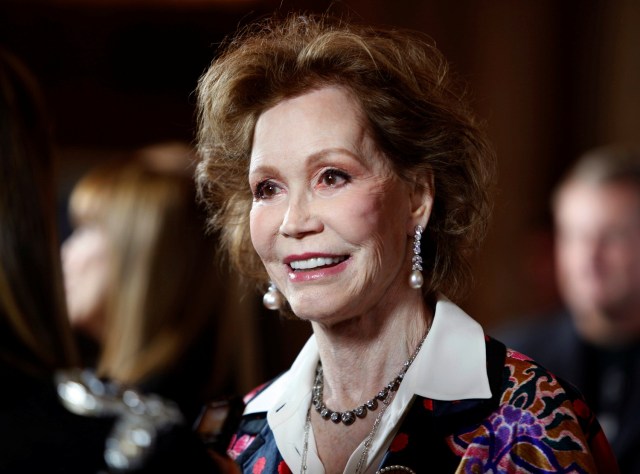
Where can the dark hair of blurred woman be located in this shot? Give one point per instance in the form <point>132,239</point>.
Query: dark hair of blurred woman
<point>30,275</point>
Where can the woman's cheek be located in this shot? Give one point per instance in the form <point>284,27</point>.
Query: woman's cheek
<point>263,226</point>
<point>362,212</point>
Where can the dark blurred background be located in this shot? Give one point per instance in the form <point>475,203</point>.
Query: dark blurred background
<point>552,79</point>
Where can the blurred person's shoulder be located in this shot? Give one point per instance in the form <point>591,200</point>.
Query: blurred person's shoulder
<point>148,434</point>
<point>540,336</point>
<point>38,434</point>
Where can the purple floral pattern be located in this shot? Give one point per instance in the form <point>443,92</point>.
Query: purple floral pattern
<point>538,428</point>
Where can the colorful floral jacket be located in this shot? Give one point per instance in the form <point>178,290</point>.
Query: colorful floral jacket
<point>534,423</point>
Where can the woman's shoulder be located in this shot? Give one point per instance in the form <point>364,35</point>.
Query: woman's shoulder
<point>525,371</point>
<point>541,413</point>
<point>527,383</point>
<point>530,393</point>
<point>261,398</point>
<point>559,408</point>
<point>517,367</point>
<point>523,362</point>
<point>526,389</point>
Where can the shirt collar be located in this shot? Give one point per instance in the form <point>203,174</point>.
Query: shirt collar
<point>452,364</point>
<point>293,385</point>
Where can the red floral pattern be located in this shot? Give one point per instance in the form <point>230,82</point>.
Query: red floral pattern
<point>238,444</point>
<point>258,467</point>
<point>399,442</point>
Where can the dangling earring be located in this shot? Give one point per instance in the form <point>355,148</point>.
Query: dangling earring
<point>416,280</point>
<point>272,299</point>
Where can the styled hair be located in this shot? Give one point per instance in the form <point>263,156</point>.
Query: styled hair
<point>416,114</point>
<point>164,285</point>
<point>34,335</point>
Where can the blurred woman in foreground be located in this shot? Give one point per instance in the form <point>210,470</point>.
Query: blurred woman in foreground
<point>76,423</point>
<point>141,279</point>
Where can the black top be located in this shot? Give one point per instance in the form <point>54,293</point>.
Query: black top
<point>38,434</point>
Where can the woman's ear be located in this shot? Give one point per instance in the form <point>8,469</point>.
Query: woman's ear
<point>422,192</point>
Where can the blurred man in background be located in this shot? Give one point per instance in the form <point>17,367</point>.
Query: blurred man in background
<point>595,342</point>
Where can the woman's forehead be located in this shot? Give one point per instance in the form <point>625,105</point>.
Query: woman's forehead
<point>320,120</point>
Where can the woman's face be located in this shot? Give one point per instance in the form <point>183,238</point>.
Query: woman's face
<point>331,222</point>
<point>85,264</point>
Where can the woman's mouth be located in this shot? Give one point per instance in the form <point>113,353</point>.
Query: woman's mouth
<point>315,263</point>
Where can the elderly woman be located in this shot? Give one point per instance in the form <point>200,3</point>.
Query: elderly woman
<point>347,175</point>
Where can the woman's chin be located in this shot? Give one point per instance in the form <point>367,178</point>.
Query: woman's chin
<point>325,314</point>
<point>315,311</point>
<point>315,315</point>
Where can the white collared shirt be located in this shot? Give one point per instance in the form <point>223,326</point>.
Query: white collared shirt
<point>451,365</point>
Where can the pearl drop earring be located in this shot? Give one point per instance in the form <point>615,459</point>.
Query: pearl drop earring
<point>416,280</point>
<point>272,299</point>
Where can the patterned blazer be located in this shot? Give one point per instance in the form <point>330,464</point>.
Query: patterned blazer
<point>534,423</point>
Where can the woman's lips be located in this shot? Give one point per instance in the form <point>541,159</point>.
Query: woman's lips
<point>315,267</point>
<point>315,263</point>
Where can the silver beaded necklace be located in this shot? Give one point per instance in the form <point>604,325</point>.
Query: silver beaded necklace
<point>386,396</point>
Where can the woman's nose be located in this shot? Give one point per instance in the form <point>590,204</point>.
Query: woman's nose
<point>300,218</point>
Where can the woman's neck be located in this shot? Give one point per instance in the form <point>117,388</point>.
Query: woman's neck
<point>361,355</point>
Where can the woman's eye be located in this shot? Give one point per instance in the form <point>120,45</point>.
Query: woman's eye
<point>265,190</point>
<point>333,178</point>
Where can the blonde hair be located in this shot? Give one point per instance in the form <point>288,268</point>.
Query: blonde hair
<point>415,112</point>
<point>164,284</point>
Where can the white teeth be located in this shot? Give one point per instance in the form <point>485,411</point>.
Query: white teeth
<point>314,262</point>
